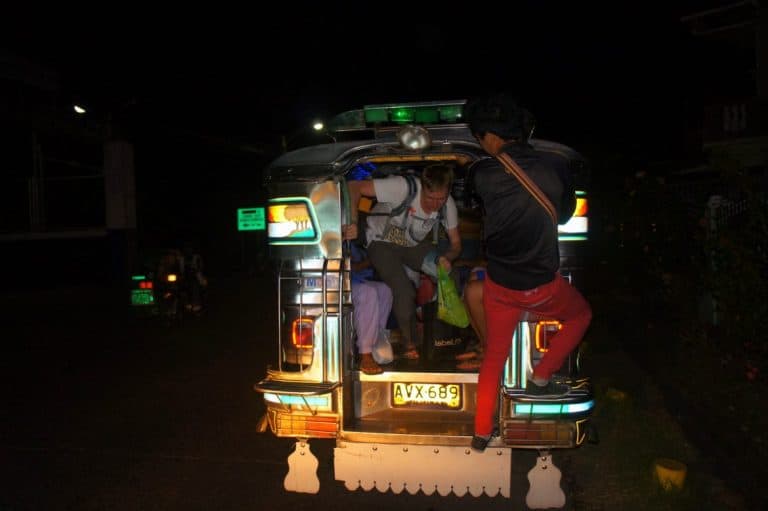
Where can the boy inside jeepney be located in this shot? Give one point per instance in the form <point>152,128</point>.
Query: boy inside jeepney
<point>396,242</point>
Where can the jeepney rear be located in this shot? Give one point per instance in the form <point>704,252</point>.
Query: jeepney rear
<point>409,427</point>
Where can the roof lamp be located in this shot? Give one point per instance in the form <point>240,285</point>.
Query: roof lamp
<point>414,137</point>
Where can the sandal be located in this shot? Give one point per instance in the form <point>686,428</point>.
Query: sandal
<point>368,365</point>
<point>468,355</point>
<point>470,365</point>
<point>411,353</point>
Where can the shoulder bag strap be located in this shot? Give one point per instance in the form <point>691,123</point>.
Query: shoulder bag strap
<point>513,168</point>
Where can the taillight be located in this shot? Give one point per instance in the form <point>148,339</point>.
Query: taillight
<point>581,207</point>
<point>171,277</point>
<point>545,330</point>
<point>147,284</point>
<point>302,332</point>
<point>577,227</point>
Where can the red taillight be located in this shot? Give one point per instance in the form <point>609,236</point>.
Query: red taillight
<point>145,284</point>
<point>302,332</point>
<point>545,330</point>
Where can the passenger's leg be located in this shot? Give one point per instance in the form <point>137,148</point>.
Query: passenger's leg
<point>570,308</point>
<point>384,295</point>
<point>473,299</point>
<point>366,312</point>
<point>470,360</point>
<point>501,320</point>
<point>387,258</point>
<point>366,318</point>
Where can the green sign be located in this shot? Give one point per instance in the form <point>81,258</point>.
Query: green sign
<point>251,219</point>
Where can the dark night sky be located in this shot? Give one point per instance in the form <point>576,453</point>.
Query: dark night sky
<point>613,79</point>
<point>614,72</point>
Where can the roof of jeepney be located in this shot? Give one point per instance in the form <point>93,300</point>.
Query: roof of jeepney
<point>375,129</point>
<point>322,161</point>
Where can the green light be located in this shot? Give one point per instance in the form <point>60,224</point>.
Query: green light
<point>142,297</point>
<point>376,115</point>
<point>432,112</point>
<point>251,219</point>
<point>451,113</point>
<point>427,115</point>
<point>139,277</point>
<point>403,115</point>
<point>572,237</point>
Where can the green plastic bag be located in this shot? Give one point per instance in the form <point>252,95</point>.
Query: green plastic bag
<point>450,308</point>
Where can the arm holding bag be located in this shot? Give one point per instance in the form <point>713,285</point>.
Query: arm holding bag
<point>450,308</point>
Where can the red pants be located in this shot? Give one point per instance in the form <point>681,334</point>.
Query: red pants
<point>503,308</point>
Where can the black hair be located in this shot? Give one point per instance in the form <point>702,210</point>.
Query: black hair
<point>500,114</point>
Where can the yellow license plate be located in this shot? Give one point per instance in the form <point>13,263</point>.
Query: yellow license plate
<point>442,394</point>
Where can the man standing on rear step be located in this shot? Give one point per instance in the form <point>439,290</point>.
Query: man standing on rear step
<point>522,249</point>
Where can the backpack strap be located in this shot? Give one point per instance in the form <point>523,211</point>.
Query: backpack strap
<point>514,169</point>
<point>436,227</point>
<point>395,212</point>
<point>411,180</point>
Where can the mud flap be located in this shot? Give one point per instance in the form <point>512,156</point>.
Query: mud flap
<point>426,468</point>
<point>302,470</point>
<point>545,491</point>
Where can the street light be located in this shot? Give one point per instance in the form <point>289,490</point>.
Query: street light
<point>304,134</point>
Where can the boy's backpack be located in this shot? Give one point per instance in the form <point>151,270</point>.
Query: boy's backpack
<point>396,212</point>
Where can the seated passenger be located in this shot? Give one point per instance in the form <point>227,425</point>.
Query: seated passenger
<point>472,359</point>
<point>372,301</point>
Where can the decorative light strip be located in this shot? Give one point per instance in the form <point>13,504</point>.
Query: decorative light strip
<point>576,225</point>
<point>553,409</point>
<point>292,399</point>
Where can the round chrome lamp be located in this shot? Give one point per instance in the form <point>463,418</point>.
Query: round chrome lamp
<point>414,137</point>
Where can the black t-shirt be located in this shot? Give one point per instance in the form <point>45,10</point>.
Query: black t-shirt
<point>520,237</point>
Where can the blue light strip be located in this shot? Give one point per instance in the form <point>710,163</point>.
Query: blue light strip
<point>287,399</point>
<point>553,409</point>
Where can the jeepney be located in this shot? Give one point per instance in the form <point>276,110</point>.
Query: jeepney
<point>410,427</point>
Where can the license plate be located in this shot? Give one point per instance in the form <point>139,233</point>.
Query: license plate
<point>441,394</point>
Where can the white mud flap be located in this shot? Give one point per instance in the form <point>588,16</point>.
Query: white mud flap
<point>426,468</point>
<point>545,491</point>
<point>302,470</point>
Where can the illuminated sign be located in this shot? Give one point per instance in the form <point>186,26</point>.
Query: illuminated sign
<point>251,219</point>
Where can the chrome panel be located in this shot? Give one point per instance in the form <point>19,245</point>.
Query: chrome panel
<point>332,343</point>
